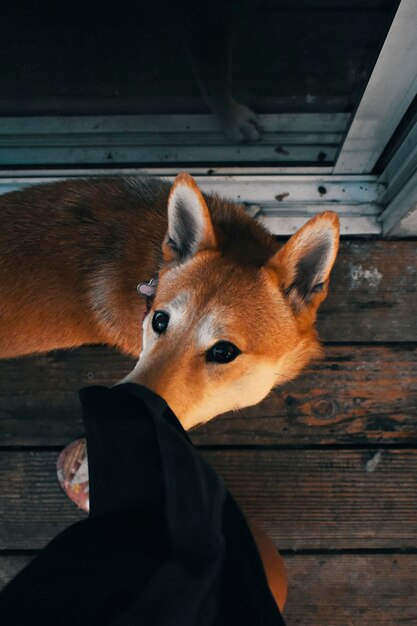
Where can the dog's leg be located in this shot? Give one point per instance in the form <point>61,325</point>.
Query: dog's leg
<point>209,34</point>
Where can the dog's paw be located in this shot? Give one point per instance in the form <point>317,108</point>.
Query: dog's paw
<point>240,123</point>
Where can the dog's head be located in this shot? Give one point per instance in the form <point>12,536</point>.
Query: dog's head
<point>234,314</point>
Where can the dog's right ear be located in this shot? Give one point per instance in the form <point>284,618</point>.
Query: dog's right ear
<point>304,263</point>
<point>190,228</point>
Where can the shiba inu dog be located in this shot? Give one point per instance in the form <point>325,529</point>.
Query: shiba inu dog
<point>233,315</point>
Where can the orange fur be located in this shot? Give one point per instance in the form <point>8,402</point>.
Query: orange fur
<point>73,252</point>
<point>61,242</point>
<point>273,565</point>
<point>245,289</point>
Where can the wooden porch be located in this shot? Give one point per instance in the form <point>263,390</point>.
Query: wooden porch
<point>327,465</point>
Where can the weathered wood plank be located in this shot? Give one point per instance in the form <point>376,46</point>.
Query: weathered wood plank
<point>372,293</point>
<point>340,590</point>
<point>321,499</point>
<point>355,394</point>
<point>331,590</point>
<point>324,498</point>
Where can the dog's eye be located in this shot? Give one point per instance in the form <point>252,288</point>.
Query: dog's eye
<point>222,352</point>
<point>160,321</point>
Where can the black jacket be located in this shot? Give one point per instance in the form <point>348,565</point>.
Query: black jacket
<point>165,543</point>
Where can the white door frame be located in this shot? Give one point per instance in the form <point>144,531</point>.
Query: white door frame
<point>391,88</point>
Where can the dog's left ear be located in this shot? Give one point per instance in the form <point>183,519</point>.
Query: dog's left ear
<point>304,263</point>
<point>190,227</point>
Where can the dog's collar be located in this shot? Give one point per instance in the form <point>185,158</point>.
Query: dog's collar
<point>148,290</point>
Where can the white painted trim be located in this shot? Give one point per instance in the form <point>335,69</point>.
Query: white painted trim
<point>180,139</point>
<point>165,124</point>
<point>319,190</point>
<point>162,139</point>
<point>19,174</point>
<point>401,166</point>
<point>407,226</point>
<point>283,203</point>
<point>149,154</point>
<point>390,90</point>
<point>400,198</point>
<point>400,216</point>
<point>349,225</point>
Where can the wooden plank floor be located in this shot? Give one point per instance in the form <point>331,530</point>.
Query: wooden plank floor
<point>327,465</point>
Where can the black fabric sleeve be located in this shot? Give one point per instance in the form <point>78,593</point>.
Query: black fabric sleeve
<point>164,545</point>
